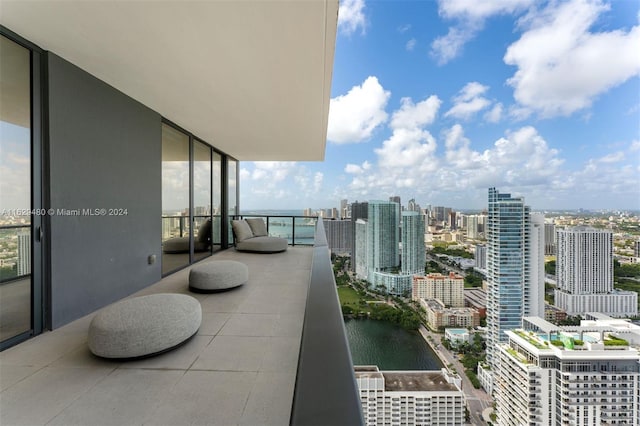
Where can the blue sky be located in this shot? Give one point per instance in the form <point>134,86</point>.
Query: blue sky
<point>439,100</point>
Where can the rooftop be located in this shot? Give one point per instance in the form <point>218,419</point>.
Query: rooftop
<point>247,347</point>
<point>416,381</point>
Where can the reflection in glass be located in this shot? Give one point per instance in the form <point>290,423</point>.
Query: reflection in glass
<point>202,229</point>
<point>232,194</point>
<point>175,199</point>
<point>15,189</point>
<point>217,200</point>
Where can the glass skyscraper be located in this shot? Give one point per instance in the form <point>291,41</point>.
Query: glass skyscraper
<point>413,251</point>
<point>507,264</point>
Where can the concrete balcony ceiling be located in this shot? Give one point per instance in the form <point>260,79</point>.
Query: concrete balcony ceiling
<point>252,78</point>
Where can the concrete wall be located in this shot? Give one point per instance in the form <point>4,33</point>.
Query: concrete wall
<point>105,153</point>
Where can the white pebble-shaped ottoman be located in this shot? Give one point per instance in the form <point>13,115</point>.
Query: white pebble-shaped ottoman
<point>144,326</point>
<point>217,275</point>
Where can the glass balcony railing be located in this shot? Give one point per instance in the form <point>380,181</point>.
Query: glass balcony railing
<point>297,230</point>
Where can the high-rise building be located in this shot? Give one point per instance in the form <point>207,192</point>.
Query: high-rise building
<point>449,289</point>
<point>549,239</point>
<point>584,273</point>
<point>24,253</point>
<point>409,398</point>
<point>339,236</point>
<point>413,206</point>
<point>636,249</point>
<point>382,237</point>
<point>344,211</point>
<point>550,375</point>
<point>359,256</point>
<point>377,253</point>
<point>533,290</point>
<point>472,227</point>
<point>513,265</point>
<point>413,250</point>
<point>358,211</point>
<point>452,221</point>
<point>480,257</point>
<point>395,199</point>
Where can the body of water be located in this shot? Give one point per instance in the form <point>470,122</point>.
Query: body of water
<point>283,226</point>
<point>389,346</point>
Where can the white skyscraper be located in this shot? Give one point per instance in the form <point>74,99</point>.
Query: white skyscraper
<point>553,376</point>
<point>534,283</point>
<point>584,272</point>
<point>24,253</point>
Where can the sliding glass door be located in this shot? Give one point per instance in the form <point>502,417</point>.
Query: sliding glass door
<point>20,203</point>
<point>192,201</point>
<point>175,199</point>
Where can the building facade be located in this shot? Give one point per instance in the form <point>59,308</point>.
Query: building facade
<point>439,316</point>
<point>573,381</point>
<point>413,250</point>
<point>449,289</point>
<point>395,398</point>
<point>515,274</point>
<point>340,236</point>
<point>383,236</point>
<point>584,274</point>
<point>549,239</point>
<point>24,253</point>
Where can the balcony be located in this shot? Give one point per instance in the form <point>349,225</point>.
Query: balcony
<point>266,353</point>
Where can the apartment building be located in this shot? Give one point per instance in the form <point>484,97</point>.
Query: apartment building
<point>449,289</point>
<point>439,316</point>
<point>584,273</point>
<point>515,266</point>
<point>340,236</point>
<point>549,375</point>
<point>407,398</point>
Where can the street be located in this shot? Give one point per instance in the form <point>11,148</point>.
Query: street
<point>477,399</point>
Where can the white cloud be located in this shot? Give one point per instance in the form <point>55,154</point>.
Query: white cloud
<point>469,101</point>
<point>614,157</point>
<point>411,44</point>
<point>480,10</point>
<point>404,28</point>
<point>471,16</point>
<point>412,115</point>
<point>562,66</point>
<point>635,146</point>
<point>447,47</point>
<point>264,183</point>
<point>406,148</point>
<point>458,154</point>
<point>351,16</point>
<point>495,114</point>
<point>356,169</point>
<point>353,117</point>
<point>318,179</point>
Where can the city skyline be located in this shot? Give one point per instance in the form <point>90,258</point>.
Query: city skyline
<point>437,102</point>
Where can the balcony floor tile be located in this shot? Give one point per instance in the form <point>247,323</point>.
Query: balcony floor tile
<point>240,368</point>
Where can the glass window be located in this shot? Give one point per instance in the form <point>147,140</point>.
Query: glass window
<point>217,200</point>
<point>232,193</point>
<point>15,189</point>
<point>202,225</point>
<point>175,199</point>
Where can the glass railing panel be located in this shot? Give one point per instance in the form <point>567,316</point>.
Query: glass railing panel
<point>305,230</point>
<point>15,280</point>
<point>281,226</point>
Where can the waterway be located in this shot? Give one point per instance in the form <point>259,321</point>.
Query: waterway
<point>389,346</point>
